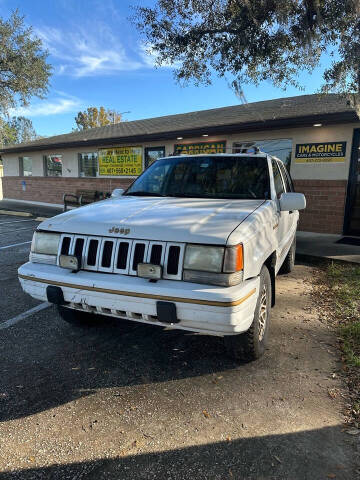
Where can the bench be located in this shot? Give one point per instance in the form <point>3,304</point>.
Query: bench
<point>82,197</point>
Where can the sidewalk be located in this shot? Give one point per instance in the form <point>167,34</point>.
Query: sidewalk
<point>322,245</point>
<point>32,209</point>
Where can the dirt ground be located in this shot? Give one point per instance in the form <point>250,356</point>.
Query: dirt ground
<point>130,401</point>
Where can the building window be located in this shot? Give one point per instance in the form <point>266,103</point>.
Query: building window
<point>88,164</point>
<point>25,166</point>
<point>280,148</point>
<point>152,154</point>
<point>53,165</point>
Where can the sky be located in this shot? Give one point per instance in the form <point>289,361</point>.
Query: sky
<point>98,58</point>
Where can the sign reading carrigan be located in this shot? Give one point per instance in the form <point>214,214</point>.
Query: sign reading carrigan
<point>326,152</point>
<point>120,161</point>
<point>198,148</point>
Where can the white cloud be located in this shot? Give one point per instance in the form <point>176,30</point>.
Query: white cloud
<point>87,51</point>
<point>48,107</point>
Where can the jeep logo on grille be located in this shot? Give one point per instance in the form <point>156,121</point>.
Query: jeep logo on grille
<point>121,230</point>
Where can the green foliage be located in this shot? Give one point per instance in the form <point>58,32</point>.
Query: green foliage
<point>96,117</point>
<point>7,134</point>
<point>23,129</point>
<point>344,281</point>
<point>17,130</point>
<point>255,40</point>
<point>351,343</point>
<point>24,72</point>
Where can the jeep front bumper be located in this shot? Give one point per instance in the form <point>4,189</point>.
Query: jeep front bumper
<point>199,308</point>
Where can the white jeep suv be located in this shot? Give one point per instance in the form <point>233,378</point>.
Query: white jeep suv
<point>194,243</point>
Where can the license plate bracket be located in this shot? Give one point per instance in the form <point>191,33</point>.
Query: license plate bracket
<point>55,295</point>
<point>166,312</point>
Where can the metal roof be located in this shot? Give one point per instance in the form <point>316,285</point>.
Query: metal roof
<point>303,110</point>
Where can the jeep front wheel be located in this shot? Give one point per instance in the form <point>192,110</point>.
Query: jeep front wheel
<point>251,345</point>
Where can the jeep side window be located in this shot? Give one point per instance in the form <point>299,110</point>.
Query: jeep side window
<point>278,181</point>
<point>287,179</point>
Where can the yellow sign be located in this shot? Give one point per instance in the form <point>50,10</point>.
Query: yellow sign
<point>196,148</point>
<point>327,152</point>
<point>120,161</point>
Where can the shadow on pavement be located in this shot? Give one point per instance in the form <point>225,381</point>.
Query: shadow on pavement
<point>46,362</point>
<point>309,455</point>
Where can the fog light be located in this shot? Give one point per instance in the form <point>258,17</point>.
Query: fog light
<point>69,261</point>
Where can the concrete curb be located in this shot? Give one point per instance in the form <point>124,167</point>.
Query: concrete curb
<point>315,260</point>
<point>23,214</point>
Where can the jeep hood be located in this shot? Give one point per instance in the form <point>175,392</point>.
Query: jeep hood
<point>190,220</point>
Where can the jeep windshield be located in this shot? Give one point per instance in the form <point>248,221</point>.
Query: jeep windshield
<point>205,177</point>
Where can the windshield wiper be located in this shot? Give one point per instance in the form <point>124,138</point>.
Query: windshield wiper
<point>145,194</point>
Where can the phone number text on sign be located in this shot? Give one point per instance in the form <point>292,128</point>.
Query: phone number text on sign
<point>120,161</point>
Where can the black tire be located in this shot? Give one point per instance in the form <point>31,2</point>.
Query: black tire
<point>289,262</point>
<point>78,318</point>
<point>251,345</point>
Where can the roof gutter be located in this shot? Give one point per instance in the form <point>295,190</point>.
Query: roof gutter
<point>281,123</point>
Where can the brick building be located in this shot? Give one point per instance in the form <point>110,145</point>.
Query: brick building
<point>318,137</point>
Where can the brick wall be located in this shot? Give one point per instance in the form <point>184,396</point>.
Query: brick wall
<point>325,208</point>
<point>51,189</point>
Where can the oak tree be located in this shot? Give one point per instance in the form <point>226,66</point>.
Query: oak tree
<point>19,130</point>
<point>255,40</point>
<point>24,71</point>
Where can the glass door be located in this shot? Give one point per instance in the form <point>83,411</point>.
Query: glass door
<point>352,219</point>
<point>152,154</point>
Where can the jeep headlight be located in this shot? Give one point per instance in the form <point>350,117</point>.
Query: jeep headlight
<point>205,258</point>
<point>214,265</point>
<point>44,247</point>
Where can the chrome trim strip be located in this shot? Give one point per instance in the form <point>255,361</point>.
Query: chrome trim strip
<point>141,295</point>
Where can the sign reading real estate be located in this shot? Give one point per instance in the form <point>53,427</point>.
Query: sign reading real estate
<point>196,148</point>
<point>326,152</point>
<point>120,161</point>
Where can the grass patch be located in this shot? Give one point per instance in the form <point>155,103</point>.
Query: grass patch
<point>344,283</point>
<point>338,294</point>
<point>351,340</point>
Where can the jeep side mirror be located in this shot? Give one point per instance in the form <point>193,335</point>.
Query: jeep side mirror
<point>117,192</point>
<point>292,201</point>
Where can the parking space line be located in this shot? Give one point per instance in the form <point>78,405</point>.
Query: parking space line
<point>22,316</point>
<point>18,221</point>
<point>14,245</point>
<point>18,230</point>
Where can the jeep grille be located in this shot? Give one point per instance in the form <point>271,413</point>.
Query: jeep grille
<point>110,255</point>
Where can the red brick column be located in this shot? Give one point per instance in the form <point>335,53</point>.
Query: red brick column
<point>51,189</point>
<point>325,208</point>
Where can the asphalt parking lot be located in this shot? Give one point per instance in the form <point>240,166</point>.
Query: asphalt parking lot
<point>130,401</point>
